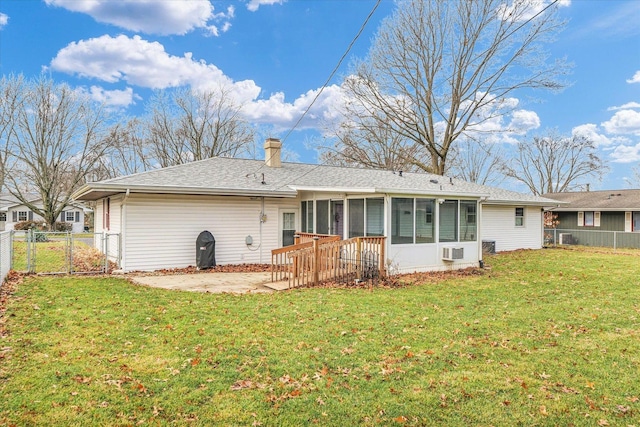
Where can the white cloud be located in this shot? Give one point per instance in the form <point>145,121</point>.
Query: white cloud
<point>148,16</point>
<point>591,132</point>
<point>523,121</point>
<point>4,19</point>
<point>143,63</point>
<point>626,106</point>
<point>500,121</point>
<point>146,64</point>
<point>626,154</point>
<point>275,110</point>
<point>635,78</point>
<point>527,9</point>
<point>623,122</point>
<point>112,98</point>
<point>253,5</point>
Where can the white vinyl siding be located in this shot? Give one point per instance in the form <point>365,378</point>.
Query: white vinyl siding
<point>160,231</point>
<point>498,225</point>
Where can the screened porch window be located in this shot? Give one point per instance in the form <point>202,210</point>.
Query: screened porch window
<point>375,217</point>
<point>468,225</point>
<point>448,220</point>
<point>307,216</point>
<point>322,216</point>
<point>366,217</point>
<point>425,225</point>
<point>356,217</point>
<point>401,220</point>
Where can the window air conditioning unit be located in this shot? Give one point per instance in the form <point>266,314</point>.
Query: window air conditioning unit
<point>451,254</point>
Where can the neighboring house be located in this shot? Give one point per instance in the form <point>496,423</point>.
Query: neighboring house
<point>252,207</point>
<point>12,212</point>
<point>608,210</point>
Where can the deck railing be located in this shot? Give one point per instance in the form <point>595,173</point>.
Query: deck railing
<point>329,258</point>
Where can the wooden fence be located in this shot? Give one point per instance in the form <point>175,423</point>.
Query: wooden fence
<point>328,258</point>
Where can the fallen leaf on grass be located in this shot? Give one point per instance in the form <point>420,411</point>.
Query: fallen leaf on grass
<point>244,384</point>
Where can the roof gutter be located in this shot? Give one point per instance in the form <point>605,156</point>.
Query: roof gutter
<point>158,189</point>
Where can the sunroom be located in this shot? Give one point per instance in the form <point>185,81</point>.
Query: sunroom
<point>423,233</point>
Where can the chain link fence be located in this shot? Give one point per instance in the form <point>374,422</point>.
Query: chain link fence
<point>599,238</point>
<point>47,252</point>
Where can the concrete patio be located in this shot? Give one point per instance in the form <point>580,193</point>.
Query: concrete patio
<point>237,283</point>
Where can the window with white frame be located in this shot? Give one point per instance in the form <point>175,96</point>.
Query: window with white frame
<point>3,216</point>
<point>589,219</point>
<point>69,216</point>
<point>22,215</point>
<point>519,217</point>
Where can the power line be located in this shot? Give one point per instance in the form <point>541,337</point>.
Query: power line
<point>323,87</point>
<point>344,55</point>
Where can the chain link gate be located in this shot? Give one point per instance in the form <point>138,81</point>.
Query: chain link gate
<point>47,252</point>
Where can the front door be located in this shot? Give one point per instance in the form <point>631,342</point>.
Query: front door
<point>287,227</point>
<point>337,217</point>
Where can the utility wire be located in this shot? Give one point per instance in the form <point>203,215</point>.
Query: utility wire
<point>335,70</point>
<point>527,21</point>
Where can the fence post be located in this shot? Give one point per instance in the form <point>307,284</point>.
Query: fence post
<point>359,258</point>
<point>316,260</point>
<point>615,235</point>
<point>28,244</point>
<point>296,240</point>
<point>383,242</point>
<point>105,240</point>
<point>69,239</point>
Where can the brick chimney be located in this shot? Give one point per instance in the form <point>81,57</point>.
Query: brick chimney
<point>272,149</point>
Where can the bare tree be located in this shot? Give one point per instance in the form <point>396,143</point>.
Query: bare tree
<point>57,137</point>
<point>11,90</point>
<point>128,152</point>
<point>369,142</point>
<point>184,126</point>
<point>554,164</point>
<point>441,69</point>
<point>476,161</point>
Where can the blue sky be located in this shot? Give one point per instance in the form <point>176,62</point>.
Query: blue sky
<point>277,54</point>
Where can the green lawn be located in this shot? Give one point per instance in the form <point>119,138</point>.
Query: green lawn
<point>549,337</point>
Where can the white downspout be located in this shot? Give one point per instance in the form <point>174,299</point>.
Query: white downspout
<point>479,233</point>
<point>123,223</point>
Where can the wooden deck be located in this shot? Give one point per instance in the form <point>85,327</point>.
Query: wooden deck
<point>317,258</point>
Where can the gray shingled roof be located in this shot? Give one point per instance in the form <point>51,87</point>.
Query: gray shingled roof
<point>613,200</point>
<point>221,175</point>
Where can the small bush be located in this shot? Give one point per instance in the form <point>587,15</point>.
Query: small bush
<point>62,226</point>
<point>26,225</point>
<point>40,237</point>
